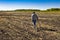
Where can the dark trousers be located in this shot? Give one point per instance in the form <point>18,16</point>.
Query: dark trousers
<point>34,22</point>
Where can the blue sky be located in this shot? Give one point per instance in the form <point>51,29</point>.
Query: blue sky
<point>28,4</point>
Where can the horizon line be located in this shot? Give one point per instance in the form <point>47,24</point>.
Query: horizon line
<point>22,9</point>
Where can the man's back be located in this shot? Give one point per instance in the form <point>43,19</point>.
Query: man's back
<point>34,17</point>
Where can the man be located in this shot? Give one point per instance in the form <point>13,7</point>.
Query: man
<point>34,19</point>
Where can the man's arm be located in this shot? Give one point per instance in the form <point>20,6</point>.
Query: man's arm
<point>37,17</point>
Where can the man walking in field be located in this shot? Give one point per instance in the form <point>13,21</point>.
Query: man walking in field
<point>34,19</point>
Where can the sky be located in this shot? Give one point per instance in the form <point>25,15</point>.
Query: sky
<point>29,4</point>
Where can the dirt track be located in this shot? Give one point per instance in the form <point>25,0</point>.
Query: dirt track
<point>19,27</point>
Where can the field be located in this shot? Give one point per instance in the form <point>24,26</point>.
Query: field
<point>18,26</point>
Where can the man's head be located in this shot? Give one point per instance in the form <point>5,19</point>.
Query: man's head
<point>33,12</point>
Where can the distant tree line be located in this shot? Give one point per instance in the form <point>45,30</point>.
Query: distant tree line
<point>54,9</point>
<point>27,10</point>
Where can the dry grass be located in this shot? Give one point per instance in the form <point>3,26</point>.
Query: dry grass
<point>18,26</point>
